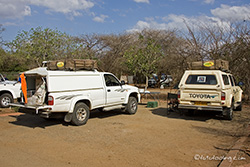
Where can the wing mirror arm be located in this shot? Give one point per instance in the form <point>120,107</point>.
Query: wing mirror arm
<point>122,82</point>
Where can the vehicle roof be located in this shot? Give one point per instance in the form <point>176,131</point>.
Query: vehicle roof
<point>206,71</point>
<point>39,71</point>
<point>44,72</point>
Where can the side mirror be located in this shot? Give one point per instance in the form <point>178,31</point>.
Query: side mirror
<point>123,82</point>
<point>240,83</point>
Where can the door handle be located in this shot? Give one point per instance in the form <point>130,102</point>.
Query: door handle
<point>109,90</point>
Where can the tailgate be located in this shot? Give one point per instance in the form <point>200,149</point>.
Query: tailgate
<point>200,95</point>
<point>36,108</point>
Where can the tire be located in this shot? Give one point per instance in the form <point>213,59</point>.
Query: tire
<point>5,99</point>
<point>239,108</point>
<point>229,113</point>
<point>80,114</point>
<point>132,106</point>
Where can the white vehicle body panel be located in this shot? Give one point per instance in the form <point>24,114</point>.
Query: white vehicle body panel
<point>13,87</point>
<point>70,87</point>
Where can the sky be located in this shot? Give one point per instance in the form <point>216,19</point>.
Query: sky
<point>78,17</point>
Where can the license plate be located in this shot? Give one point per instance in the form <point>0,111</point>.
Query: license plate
<point>200,103</point>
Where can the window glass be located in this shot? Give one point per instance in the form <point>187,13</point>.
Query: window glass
<point>201,79</point>
<point>111,80</point>
<point>231,80</point>
<point>225,79</point>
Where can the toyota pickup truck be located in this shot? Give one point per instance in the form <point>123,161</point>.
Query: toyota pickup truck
<point>213,90</point>
<point>75,93</point>
<point>9,91</point>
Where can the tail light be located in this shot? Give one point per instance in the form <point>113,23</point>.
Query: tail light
<point>223,96</point>
<point>50,100</point>
<point>179,94</point>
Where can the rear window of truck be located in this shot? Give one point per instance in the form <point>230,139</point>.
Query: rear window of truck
<point>202,79</point>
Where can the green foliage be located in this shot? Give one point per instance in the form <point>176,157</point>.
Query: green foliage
<point>40,44</point>
<point>10,62</point>
<point>144,57</point>
<point>2,53</point>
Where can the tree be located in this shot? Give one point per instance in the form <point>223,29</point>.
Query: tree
<point>2,52</point>
<point>144,57</point>
<point>171,63</point>
<point>1,38</point>
<point>228,42</point>
<point>40,44</point>
<point>87,46</point>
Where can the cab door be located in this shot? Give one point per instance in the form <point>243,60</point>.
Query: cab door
<point>232,85</point>
<point>237,92</point>
<point>115,94</point>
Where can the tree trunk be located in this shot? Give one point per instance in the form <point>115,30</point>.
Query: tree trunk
<point>146,86</point>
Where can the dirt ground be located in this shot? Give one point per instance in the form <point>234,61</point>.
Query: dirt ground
<point>148,138</point>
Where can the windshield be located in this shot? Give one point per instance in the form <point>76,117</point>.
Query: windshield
<point>201,79</point>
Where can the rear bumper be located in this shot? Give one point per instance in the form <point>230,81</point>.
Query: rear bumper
<point>34,108</point>
<point>195,107</point>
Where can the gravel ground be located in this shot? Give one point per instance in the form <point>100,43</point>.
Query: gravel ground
<point>148,138</point>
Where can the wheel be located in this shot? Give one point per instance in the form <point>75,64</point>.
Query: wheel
<point>5,99</point>
<point>80,114</point>
<point>132,105</point>
<point>229,113</point>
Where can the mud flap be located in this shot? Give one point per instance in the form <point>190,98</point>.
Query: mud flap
<point>224,111</point>
<point>68,117</point>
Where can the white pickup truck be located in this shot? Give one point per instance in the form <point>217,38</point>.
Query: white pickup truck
<point>213,90</point>
<point>75,93</point>
<point>9,91</point>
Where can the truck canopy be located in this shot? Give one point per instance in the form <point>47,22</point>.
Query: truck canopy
<point>202,79</point>
<point>63,80</point>
<point>42,71</point>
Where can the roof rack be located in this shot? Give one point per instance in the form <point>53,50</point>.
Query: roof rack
<point>218,64</point>
<point>71,65</point>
